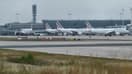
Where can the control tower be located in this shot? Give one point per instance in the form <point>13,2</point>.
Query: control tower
<point>34,13</point>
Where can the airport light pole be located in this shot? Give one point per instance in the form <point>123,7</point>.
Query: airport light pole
<point>70,15</point>
<point>131,16</point>
<point>17,17</point>
<point>121,16</point>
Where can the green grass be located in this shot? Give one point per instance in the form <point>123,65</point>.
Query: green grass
<point>44,63</point>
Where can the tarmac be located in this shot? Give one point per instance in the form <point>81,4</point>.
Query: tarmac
<point>119,47</point>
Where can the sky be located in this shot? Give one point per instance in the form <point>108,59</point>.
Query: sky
<point>21,10</point>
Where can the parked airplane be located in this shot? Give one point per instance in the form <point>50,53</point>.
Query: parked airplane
<point>73,31</point>
<point>64,31</point>
<point>30,31</point>
<point>25,31</point>
<point>99,31</point>
<point>121,31</point>
<point>49,30</point>
<point>110,31</point>
<point>81,31</point>
<point>129,27</point>
<point>87,30</point>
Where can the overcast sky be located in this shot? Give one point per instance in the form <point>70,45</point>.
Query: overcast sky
<point>60,9</point>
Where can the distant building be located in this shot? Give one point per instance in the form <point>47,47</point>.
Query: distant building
<point>81,23</point>
<point>34,13</point>
<point>4,31</point>
<point>65,23</point>
<point>9,27</point>
<point>19,26</point>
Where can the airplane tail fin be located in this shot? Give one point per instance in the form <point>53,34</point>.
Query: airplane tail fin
<point>88,25</point>
<point>47,26</point>
<point>129,27</point>
<point>59,26</point>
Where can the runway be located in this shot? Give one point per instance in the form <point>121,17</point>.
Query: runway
<point>111,44</point>
<point>121,49</point>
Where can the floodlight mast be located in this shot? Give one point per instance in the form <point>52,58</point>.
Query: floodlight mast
<point>131,16</point>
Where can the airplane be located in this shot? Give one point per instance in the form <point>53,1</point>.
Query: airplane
<point>29,31</point>
<point>102,31</point>
<point>25,31</point>
<point>64,31</point>
<point>121,31</point>
<point>49,29</point>
<point>110,31</point>
<point>129,27</point>
<point>88,30</point>
<point>99,31</point>
<point>74,31</point>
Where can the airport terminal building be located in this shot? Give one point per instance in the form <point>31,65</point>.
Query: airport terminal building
<point>18,26</point>
<point>82,23</point>
<point>66,24</point>
<point>7,28</point>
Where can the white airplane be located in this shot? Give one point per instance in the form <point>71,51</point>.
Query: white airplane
<point>30,31</point>
<point>49,29</point>
<point>88,30</point>
<point>65,31</point>
<point>74,31</point>
<point>102,31</point>
<point>81,31</point>
<point>25,31</point>
<point>121,31</point>
<point>69,31</point>
<point>110,31</point>
<point>129,27</point>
